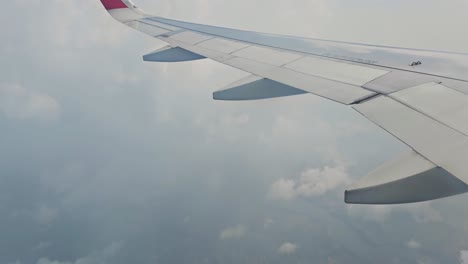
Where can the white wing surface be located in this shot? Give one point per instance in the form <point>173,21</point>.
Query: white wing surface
<point>418,96</point>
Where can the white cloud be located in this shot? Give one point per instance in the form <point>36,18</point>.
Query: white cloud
<point>235,232</point>
<point>268,223</point>
<point>17,102</point>
<point>287,248</point>
<point>283,189</point>
<point>312,183</point>
<point>102,257</point>
<point>413,244</point>
<point>47,261</point>
<point>315,182</point>
<point>42,245</point>
<point>46,215</point>
<point>464,257</point>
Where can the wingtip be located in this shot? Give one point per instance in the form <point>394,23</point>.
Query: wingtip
<point>113,4</point>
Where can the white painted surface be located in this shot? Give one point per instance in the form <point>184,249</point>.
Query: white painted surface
<point>439,102</point>
<point>405,166</point>
<point>267,55</point>
<point>148,29</point>
<point>337,71</point>
<point>190,37</point>
<point>440,144</point>
<point>125,14</point>
<point>212,54</point>
<point>340,92</point>
<point>223,45</point>
<point>161,25</point>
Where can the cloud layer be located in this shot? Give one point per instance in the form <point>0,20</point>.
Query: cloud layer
<point>106,159</point>
<point>233,233</point>
<point>312,183</point>
<point>287,248</point>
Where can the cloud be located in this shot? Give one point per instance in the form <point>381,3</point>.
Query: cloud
<point>42,245</point>
<point>420,212</point>
<point>283,189</point>
<point>287,248</point>
<point>312,183</point>
<point>233,233</point>
<point>316,182</point>
<point>413,244</point>
<point>268,223</point>
<point>47,261</point>
<point>46,215</point>
<point>17,102</point>
<point>103,257</point>
<point>464,257</point>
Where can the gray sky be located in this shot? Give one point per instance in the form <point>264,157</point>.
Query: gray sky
<point>106,159</point>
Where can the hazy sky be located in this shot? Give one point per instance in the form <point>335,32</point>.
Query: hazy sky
<point>106,159</point>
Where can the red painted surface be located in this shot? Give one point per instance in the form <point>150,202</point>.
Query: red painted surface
<point>113,4</point>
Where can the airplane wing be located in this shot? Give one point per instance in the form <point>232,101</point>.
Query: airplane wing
<point>418,96</point>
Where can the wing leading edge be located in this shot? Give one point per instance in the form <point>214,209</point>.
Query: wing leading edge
<point>424,104</point>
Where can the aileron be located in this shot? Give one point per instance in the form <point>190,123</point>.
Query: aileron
<point>337,71</point>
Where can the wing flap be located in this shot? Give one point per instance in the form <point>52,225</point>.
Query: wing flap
<point>255,88</point>
<point>408,179</point>
<point>441,103</point>
<point>438,143</point>
<point>398,80</point>
<point>336,71</point>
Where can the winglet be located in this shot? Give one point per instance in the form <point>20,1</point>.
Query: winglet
<point>113,4</point>
<point>123,10</point>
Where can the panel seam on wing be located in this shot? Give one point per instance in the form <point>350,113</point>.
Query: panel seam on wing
<point>425,114</point>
